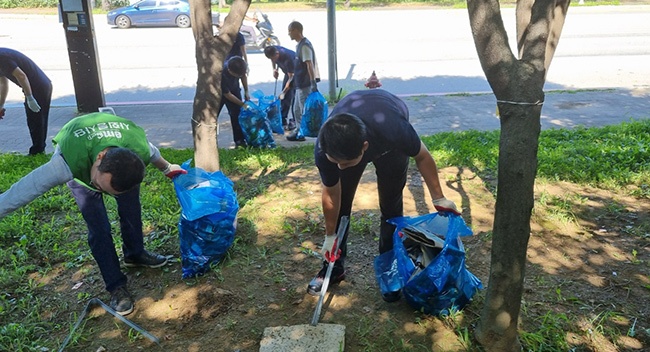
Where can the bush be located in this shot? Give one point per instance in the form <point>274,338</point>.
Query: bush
<point>10,4</point>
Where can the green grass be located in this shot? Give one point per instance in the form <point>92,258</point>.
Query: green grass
<point>50,232</point>
<point>612,157</point>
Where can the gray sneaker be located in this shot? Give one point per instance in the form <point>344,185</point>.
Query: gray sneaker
<point>121,301</point>
<point>146,259</point>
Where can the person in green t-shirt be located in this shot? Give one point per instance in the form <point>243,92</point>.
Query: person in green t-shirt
<point>95,154</point>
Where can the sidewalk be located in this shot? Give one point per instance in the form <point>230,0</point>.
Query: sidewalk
<point>168,124</point>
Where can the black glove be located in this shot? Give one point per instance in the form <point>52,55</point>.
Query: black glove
<point>314,87</point>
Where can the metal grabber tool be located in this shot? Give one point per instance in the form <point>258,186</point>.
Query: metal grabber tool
<point>343,224</point>
<point>276,88</point>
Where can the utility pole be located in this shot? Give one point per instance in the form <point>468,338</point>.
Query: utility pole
<point>331,48</point>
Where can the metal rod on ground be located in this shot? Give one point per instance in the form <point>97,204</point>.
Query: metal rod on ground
<point>97,302</point>
<point>339,235</point>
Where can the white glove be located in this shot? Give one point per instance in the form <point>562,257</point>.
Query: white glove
<point>444,205</point>
<point>32,104</point>
<point>328,248</point>
<point>173,170</point>
<point>281,96</point>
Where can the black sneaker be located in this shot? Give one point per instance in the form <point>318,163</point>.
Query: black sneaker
<point>392,296</point>
<point>338,275</point>
<point>146,259</point>
<point>296,137</point>
<point>241,144</point>
<point>121,301</point>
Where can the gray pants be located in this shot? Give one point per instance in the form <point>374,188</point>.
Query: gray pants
<point>299,103</point>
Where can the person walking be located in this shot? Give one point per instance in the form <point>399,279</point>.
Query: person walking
<point>234,70</point>
<point>95,154</point>
<point>369,126</point>
<point>37,87</point>
<point>283,59</point>
<point>305,78</point>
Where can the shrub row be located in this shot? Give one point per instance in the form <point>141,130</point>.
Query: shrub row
<point>10,4</point>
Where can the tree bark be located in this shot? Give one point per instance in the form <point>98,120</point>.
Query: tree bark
<point>210,54</point>
<point>518,87</point>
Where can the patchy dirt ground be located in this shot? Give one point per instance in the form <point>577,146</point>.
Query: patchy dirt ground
<point>589,265</point>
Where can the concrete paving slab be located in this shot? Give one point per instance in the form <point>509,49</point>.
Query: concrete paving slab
<point>304,338</point>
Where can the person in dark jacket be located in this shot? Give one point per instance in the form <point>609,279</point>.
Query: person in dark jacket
<point>283,59</point>
<point>20,69</point>
<point>234,70</point>
<point>368,126</point>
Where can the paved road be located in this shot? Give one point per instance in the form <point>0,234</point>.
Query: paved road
<point>601,47</point>
<point>168,124</point>
<point>414,52</point>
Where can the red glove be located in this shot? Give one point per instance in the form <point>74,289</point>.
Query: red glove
<point>444,205</point>
<point>173,170</point>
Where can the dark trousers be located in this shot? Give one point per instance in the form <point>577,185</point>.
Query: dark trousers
<point>391,170</point>
<point>285,104</point>
<point>37,121</point>
<point>233,111</point>
<point>100,240</point>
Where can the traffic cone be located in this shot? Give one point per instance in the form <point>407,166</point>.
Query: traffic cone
<point>373,81</point>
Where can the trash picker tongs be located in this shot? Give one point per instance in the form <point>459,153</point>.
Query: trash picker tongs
<point>339,237</point>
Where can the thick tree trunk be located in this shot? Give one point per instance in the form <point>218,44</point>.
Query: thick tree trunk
<point>210,54</point>
<point>518,88</point>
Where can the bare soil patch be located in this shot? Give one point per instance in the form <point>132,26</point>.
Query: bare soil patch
<point>587,265</point>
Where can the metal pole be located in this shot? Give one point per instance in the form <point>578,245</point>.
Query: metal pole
<point>331,46</point>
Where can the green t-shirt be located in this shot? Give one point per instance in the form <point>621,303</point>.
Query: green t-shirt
<point>82,138</point>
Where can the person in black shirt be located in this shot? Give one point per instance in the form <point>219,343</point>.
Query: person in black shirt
<point>283,58</point>
<point>369,126</point>
<point>37,87</point>
<point>234,69</point>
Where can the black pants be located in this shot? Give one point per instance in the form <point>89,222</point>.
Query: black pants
<point>233,111</point>
<point>391,170</point>
<point>37,121</point>
<point>285,104</point>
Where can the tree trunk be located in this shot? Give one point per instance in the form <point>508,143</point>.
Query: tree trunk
<point>210,53</point>
<point>518,87</point>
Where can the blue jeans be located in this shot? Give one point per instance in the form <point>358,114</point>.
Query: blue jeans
<point>100,240</point>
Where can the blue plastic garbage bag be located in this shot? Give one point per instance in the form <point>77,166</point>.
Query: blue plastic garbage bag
<point>255,126</point>
<point>208,218</point>
<point>314,114</point>
<point>271,105</point>
<point>445,283</point>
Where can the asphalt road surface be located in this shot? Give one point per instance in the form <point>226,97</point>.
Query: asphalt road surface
<point>414,52</point>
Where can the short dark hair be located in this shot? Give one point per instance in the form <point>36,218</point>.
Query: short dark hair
<point>296,25</point>
<point>270,51</point>
<point>125,167</point>
<point>342,136</point>
<point>237,65</point>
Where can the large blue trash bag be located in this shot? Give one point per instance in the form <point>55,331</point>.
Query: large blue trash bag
<point>444,284</point>
<point>208,218</point>
<point>314,114</point>
<point>255,126</point>
<point>271,105</point>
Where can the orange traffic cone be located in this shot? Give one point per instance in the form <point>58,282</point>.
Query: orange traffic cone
<point>373,81</point>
